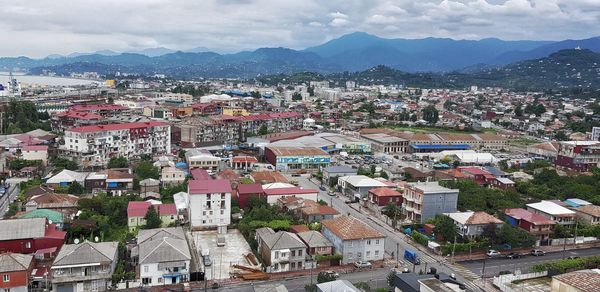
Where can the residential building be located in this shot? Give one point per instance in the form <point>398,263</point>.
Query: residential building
<point>71,119</point>
<point>297,158</point>
<point>595,134</point>
<point>472,224</point>
<point>578,155</point>
<point>381,197</point>
<point>316,243</point>
<point>55,217</point>
<point>95,145</point>
<point>588,214</point>
<point>424,200</point>
<point>275,193</point>
<point>386,144</point>
<point>280,251</point>
<point>27,236</point>
<point>553,211</point>
<point>537,225</point>
<point>63,203</point>
<point>136,213</point>
<point>35,152</point>
<point>503,183</point>
<point>546,150</point>
<point>243,162</point>
<point>358,186</point>
<point>65,178</point>
<point>246,191</point>
<point>163,256</point>
<point>172,176</point>
<point>316,212</point>
<point>353,239</point>
<point>202,159</point>
<point>15,269</point>
<point>87,266</point>
<point>210,203</point>
<point>576,281</point>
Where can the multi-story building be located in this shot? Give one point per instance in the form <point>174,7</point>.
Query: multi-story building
<point>95,145</point>
<point>27,236</point>
<point>595,134</point>
<point>578,155</point>
<point>354,239</point>
<point>172,176</point>
<point>163,256</point>
<point>15,270</point>
<point>297,158</point>
<point>280,251</point>
<point>87,266</point>
<point>386,144</point>
<point>136,213</point>
<point>537,225</point>
<point>202,159</point>
<point>210,203</point>
<point>358,186</point>
<point>553,211</point>
<point>588,214</point>
<point>424,200</point>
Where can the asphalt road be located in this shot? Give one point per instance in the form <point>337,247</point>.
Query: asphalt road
<point>494,266</point>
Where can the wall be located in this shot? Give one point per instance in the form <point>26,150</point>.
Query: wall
<point>199,212</point>
<point>18,281</point>
<point>434,204</point>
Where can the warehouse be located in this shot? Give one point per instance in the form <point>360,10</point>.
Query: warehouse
<point>297,158</point>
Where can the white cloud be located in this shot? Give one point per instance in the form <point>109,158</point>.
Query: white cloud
<point>41,27</point>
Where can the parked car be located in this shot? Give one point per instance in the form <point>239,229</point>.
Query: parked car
<point>537,252</point>
<point>493,253</point>
<point>331,194</point>
<point>572,257</point>
<point>514,255</point>
<point>363,265</point>
<point>332,274</point>
<point>206,260</point>
<point>322,188</point>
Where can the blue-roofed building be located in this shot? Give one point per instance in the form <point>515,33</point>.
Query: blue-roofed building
<point>576,203</point>
<point>496,171</point>
<point>423,148</point>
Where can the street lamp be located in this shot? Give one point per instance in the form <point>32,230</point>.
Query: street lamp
<point>483,269</point>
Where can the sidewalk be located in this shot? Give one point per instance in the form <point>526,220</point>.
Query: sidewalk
<point>479,255</point>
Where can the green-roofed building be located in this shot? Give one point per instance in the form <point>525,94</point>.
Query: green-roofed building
<point>52,216</point>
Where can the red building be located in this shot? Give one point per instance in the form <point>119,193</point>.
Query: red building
<point>537,225</point>
<point>383,196</point>
<point>246,191</point>
<point>15,269</point>
<point>480,176</point>
<point>29,235</point>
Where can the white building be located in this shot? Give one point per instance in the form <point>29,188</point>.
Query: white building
<point>163,256</point>
<point>36,152</point>
<point>95,145</point>
<point>210,204</point>
<point>280,251</point>
<point>355,240</point>
<point>202,159</point>
<point>595,134</point>
<point>172,176</point>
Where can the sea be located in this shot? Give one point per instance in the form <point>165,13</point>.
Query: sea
<point>45,80</point>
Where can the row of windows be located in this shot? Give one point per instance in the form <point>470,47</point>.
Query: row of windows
<point>359,254</point>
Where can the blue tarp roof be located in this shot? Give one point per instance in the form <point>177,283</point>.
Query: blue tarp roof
<point>442,147</point>
<point>181,165</point>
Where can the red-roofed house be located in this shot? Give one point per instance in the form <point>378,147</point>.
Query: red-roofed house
<point>273,194</point>
<point>210,203</point>
<point>243,162</point>
<point>29,235</point>
<point>71,119</point>
<point>246,191</point>
<point>35,152</point>
<point>95,145</point>
<point>537,225</point>
<point>477,174</point>
<point>381,197</point>
<point>136,211</point>
<point>316,212</point>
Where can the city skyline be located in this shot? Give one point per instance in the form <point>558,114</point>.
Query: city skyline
<point>40,28</point>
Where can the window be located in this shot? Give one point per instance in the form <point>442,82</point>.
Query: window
<point>146,280</point>
<point>368,254</point>
<point>6,278</point>
<point>376,253</point>
<point>293,253</point>
<point>28,244</point>
<point>368,242</point>
<point>358,254</point>
<point>293,265</point>
<point>145,269</point>
<point>276,254</point>
<point>160,280</point>
<point>377,241</point>
<point>300,253</point>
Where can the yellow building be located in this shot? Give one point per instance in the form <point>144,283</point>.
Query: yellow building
<point>229,111</point>
<point>111,83</point>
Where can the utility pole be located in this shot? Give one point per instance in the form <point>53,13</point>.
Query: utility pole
<point>397,254</point>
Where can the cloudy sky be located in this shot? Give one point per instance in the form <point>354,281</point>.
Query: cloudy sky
<point>40,27</point>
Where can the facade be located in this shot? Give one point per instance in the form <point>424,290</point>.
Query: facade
<point>71,119</point>
<point>172,176</point>
<point>297,158</point>
<point>471,224</point>
<point>136,213</point>
<point>280,251</point>
<point>578,155</point>
<point>27,236</point>
<point>381,197</point>
<point>210,203</point>
<point>424,200</point>
<point>15,269</point>
<point>577,281</point>
<point>316,243</point>
<point>553,211</point>
<point>163,256</point>
<point>274,194</point>
<point>95,145</point>
<point>337,171</point>
<point>86,266</point>
<point>595,134</point>
<point>358,186</point>
<point>386,144</point>
<point>202,159</point>
<point>588,214</point>
<point>246,191</point>
<point>35,152</point>
<point>537,225</point>
<point>316,212</point>
<point>353,239</point>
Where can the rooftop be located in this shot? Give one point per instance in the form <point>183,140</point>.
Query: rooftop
<point>385,192</point>
<point>11,262</point>
<point>297,151</point>
<point>11,229</point>
<point>209,186</point>
<point>116,127</point>
<point>474,218</point>
<point>431,187</point>
<point>550,208</point>
<point>350,228</point>
<point>584,280</point>
<point>254,188</point>
<point>591,210</point>
<point>86,253</point>
<point>522,214</point>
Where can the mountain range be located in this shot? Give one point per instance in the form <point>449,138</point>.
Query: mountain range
<point>353,52</point>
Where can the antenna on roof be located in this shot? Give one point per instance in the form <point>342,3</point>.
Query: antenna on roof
<point>76,241</point>
<point>96,239</point>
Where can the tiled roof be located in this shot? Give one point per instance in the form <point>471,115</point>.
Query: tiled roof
<point>209,186</point>
<point>349,228</point>
<point>483,218</point>
<point>140,208</point>
<point>385,192</point>
<point>244,159</point>
<point>164,249</point>
<point>314,239</point>
<point>319,210</point>
<point>592,210</point>
<point>264,177</point>
<point>115,127</point>
<point>584,281</point>
<point>280,239</point>
<point>80,115</point>
<point>13,262</point>
<point>522,214</point>
<point>200,174</point>
<point>250,188</point>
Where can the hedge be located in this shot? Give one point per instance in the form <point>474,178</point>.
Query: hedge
<point>331,257</point>
<point>420,238</point>
<point>563,266</point>
<point>464,247</point>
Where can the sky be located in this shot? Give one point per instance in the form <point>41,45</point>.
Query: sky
<point>37,28</point>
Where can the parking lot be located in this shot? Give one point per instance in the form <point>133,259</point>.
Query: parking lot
<point>222,257</point>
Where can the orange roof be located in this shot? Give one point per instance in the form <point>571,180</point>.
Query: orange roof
<point>483,218</point>
<point>350,228</point>
<point>385,192</point>
<point>319,210</point>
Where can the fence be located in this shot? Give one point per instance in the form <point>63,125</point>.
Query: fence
<point>503,281</point>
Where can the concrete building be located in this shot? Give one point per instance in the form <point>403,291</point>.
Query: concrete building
<point>424,200</point>
<point>136,213</point>
<point>357,186</point>
<point>15,270</point>
<point>95,145</point>
<point>353,239</point>
<point>280,251</point>
<point>172,176</point>
<point>537,225</point>
<point>578,155</point>
<point>85,266</point>
<point>297,158</point>
<point>337,171</point>
<point>210,204</point>
<point>588,214</point>
<point>553,211</point>
<point>386,144</point>
<point>163,256</point>
<point>35,152</point>
<point>202,159</point>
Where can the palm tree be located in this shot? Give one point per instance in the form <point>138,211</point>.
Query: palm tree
<point>391,211</point>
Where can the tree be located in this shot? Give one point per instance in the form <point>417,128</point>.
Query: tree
<point>64,163</point>
<point>444,227</point>
<point>255,94</point>
<point>391,277</point>
<point>145,169</point>
<point>323,277</point>
<point>263,130</point>
<point>515,237</point>
<point>311,90</point>
<point>490,232</point>
<point>76,188</point>
<point>181,154</point>
<point>431,114</point>
<point>384,175</point>
<point>519,110</point>
<point>561,136</point>
<point>152,218</point>
<point>118,162</point>
<point>296,96</point>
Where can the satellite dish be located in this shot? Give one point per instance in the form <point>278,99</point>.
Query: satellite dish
<point>76,241</point>
<point>96,239</point>
<point>50,221</point>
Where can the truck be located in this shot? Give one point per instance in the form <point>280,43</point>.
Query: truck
<point>412,257</point>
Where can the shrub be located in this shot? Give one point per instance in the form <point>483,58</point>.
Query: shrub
<point>420,238</point>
